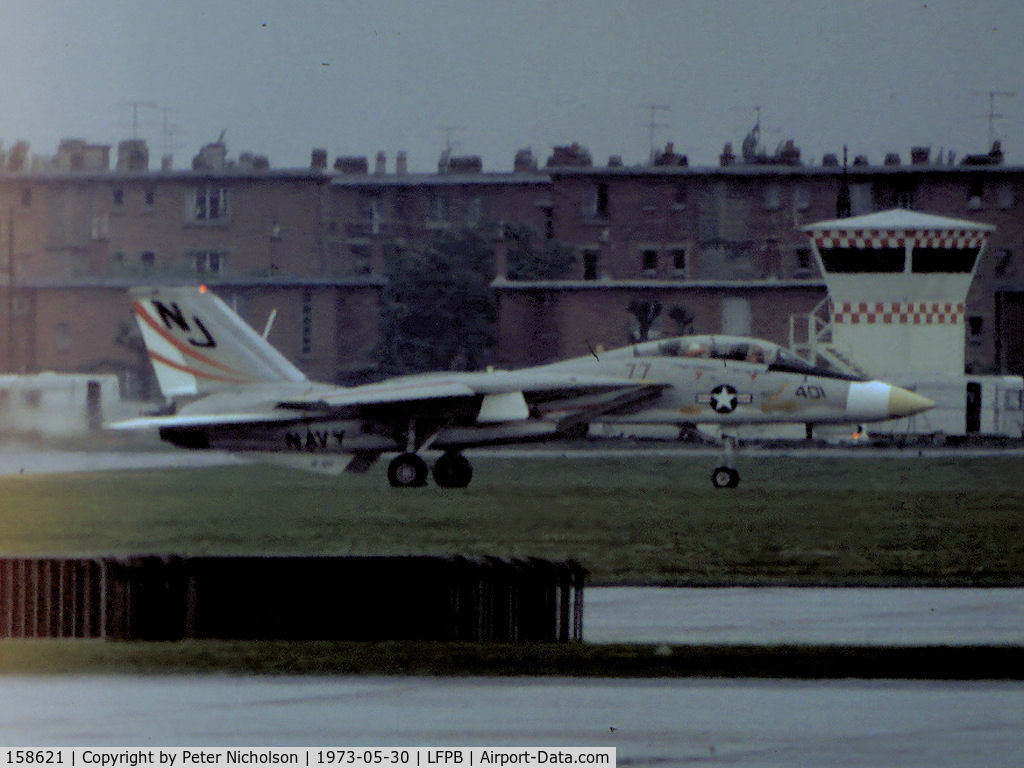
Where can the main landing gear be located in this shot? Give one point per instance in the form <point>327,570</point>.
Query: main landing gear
<point>408,470</point>
<point>726,476</point>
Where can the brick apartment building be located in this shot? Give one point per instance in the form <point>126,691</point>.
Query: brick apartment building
<point>717,249</point>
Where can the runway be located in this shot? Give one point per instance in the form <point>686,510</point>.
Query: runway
<point>650,722</point>
<point>770,616</point>
<point>656,722</point>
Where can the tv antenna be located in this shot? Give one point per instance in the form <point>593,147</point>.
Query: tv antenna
<point>992,114</point>
<point>136,123</point>
<point>168,130</point>
<point>653,124</point>
<point>449,130</point>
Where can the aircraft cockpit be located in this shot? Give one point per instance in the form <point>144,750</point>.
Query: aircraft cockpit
<point>736,348</point>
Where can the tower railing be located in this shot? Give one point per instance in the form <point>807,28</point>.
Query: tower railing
<point>810,337</point>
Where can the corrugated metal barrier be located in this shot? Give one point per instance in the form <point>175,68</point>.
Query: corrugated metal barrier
<point>292,598</point>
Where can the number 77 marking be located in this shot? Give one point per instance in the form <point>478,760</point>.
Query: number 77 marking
<point>639,370</point>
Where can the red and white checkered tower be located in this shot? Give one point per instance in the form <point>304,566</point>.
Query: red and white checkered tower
<point>897,283</point>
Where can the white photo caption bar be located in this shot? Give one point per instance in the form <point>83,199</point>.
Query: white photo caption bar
<point>307,757</point>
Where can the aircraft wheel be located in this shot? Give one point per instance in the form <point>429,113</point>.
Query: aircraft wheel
<point>407,471</point>
<point>725,477</point>
<point>453,470</point>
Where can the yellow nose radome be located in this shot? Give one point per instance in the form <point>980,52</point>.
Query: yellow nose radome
<point>903,402</point>
<point>876,400</point>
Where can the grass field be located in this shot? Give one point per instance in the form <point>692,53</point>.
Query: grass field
<point>636,520</point>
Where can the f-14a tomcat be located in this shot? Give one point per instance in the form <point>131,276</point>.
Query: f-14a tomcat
<point>231,390</point>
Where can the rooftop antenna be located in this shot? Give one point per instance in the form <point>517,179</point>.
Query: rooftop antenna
<point>653,124</point>
<point>136,123</point>
<point>449,145</point>
<point>992,114</point>
<point>167,131</point>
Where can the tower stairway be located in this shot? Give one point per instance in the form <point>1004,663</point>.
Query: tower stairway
<point>810,337</point>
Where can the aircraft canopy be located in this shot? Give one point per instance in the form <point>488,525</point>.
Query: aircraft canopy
<point>734,348</point>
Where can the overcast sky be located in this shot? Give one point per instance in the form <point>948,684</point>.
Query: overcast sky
<point>282,77</point>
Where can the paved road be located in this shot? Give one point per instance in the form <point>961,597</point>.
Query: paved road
<point>657,722</point>
<point>804,615</point>
<point>21,460</point>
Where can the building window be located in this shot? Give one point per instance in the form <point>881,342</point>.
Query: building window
<point>1005,196</point>
<point>437,209</point>
<point>679,196</point>
<point>975,190</point>
<point>207,262</point>
<point>1004,260</point>
<point>595,202</point>
<point>474,210</point>
<point>590,265</point>
<point>209,204</point>
<point>63,337</point>
<point>147,261</point>
<point>801,198</point>
<point>307,322</point>
<point>149,198</point>
<point>803,262</point>
<point>649,199</point>
<point>772,197</point>
<point>861,198</point>
<point>679,261</point>
<point>118,197</point>
<point>588,205</point>
<point>649,260</point>
<point>602,201</point>
<point>26,197</point>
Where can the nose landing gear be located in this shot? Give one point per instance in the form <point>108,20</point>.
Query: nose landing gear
<point>726,476</point>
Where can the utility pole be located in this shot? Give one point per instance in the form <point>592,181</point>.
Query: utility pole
<point>10,291</point>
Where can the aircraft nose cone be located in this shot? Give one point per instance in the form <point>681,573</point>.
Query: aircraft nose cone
<point>903,402</point>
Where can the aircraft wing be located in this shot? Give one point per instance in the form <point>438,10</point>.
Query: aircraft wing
<point>503,396</point>
<point>485,398</point>
<point>202,419</point>
<point>395,391</point>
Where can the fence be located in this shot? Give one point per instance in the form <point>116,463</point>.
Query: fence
<point>292,598</point>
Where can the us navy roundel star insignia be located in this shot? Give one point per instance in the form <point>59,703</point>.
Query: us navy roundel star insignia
<point>724,399</point>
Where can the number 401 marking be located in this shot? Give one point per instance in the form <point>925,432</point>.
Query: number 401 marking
<point>811,392</point>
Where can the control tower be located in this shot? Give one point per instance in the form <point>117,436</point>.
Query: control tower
<point>897,283</point>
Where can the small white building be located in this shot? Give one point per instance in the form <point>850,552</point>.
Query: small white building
<point>897,283</point>
<point>57,404</point>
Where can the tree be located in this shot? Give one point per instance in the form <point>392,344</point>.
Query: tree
<point>646,311</point>
<point>684,320</point>
<point>438,311</point>
<point>526,259</point>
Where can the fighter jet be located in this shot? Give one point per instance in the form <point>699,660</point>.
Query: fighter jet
<point>229,389</point>
<point>730,381</point>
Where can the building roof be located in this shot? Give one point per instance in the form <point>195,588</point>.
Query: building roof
<point>897,219</point>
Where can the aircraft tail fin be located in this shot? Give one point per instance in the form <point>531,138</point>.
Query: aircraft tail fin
<point>198,345</point>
